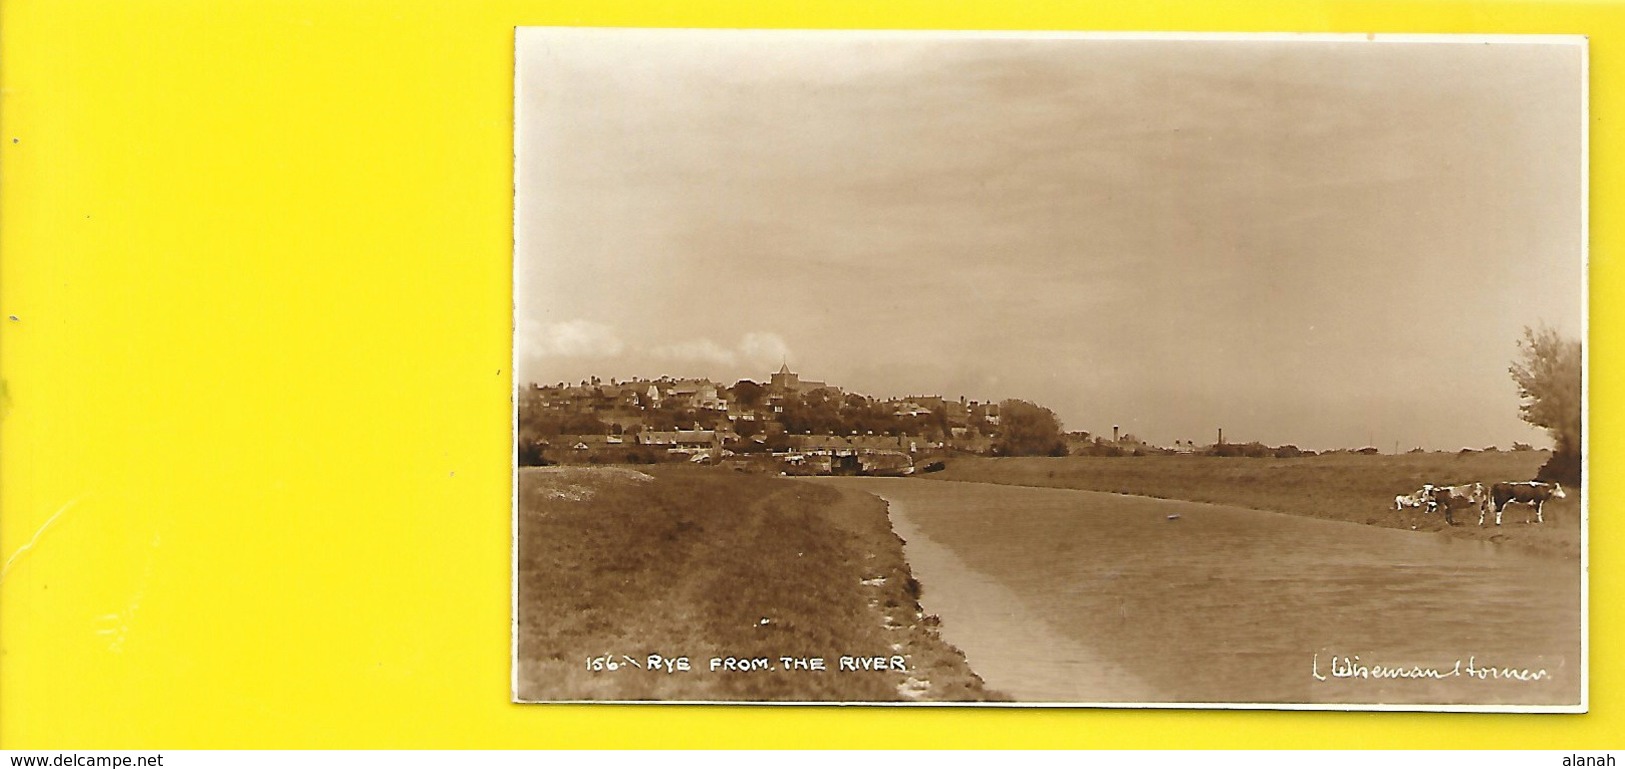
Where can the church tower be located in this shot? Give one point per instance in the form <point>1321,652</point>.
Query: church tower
<point>785,379</point>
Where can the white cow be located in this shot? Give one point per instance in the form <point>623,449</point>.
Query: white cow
<point>1409,500</point>
<point>1451,498</point>
<point>1422,498</point>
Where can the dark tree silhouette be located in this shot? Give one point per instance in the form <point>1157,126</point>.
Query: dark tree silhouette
<point>1549,372</point>
<point>748,394</point>
<point>1028,429</point>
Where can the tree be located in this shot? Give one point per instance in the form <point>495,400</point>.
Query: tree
<point>748,394</point>
<point>1028,430</point>
<point>585,424</point>
<point>940,428</point>
<point>1548,372</point>
<point>778,440</point>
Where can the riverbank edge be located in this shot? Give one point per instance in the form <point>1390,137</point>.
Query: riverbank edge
<point>704,564</point>
<point>939,671</point>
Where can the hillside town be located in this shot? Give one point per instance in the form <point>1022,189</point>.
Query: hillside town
<point>815,426</point>
<point>789,417</point>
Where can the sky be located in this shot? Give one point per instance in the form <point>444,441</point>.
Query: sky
<point>1323,243</point>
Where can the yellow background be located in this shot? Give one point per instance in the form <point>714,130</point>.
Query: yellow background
<point>258,257</point>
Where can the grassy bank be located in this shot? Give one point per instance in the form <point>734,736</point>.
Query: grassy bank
<point>702,563</point>
<point>1345,487</point>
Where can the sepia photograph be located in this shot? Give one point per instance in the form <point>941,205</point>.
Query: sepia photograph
<point>1014,369</point>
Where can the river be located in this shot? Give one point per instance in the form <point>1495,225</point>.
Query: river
<point>1057,595</point>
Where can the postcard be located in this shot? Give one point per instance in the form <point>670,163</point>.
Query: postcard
<point>1012,369</point>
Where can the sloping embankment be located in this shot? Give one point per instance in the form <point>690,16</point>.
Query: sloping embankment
<point>702,565</point>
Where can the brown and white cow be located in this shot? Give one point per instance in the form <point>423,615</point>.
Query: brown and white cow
<point>1532,493</point>
<point>1450,498</point>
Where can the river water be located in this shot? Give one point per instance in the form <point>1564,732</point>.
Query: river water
<point>1057,595</point>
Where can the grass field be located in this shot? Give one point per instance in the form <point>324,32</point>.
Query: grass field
<point>706,564</point>
<point>1346,487</point>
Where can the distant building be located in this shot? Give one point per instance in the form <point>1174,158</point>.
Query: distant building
<point>686,440</point>
<point>709,398</point>
<point>911,408</point>
<point>844,444</point>
<point>786,380</point>
<point>697,394</point>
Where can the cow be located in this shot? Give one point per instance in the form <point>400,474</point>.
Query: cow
<point>1417,498</point>
<point>1532,493</point>
<point>1449,498</point>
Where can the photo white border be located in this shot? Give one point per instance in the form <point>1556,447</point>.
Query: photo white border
<point>1299,37</point>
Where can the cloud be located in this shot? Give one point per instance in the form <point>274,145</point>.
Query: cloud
<point>754,349</point>
<point>761,347</point>
<point>696,350</point>
<point>580,348</point>
<point>570,339</point>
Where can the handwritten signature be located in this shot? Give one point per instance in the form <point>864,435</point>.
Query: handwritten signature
<point>1347,667</point>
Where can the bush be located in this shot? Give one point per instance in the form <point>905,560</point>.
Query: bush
<point>642,456</point>
<point>1254,450</point>
<point>1027,430</point>
<point>1099,450</point>
<point>1561,468</point>
<point>530,454</point>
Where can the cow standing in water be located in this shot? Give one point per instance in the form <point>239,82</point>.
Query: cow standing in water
<point>1532,493</point>
<point>1449,498</point>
